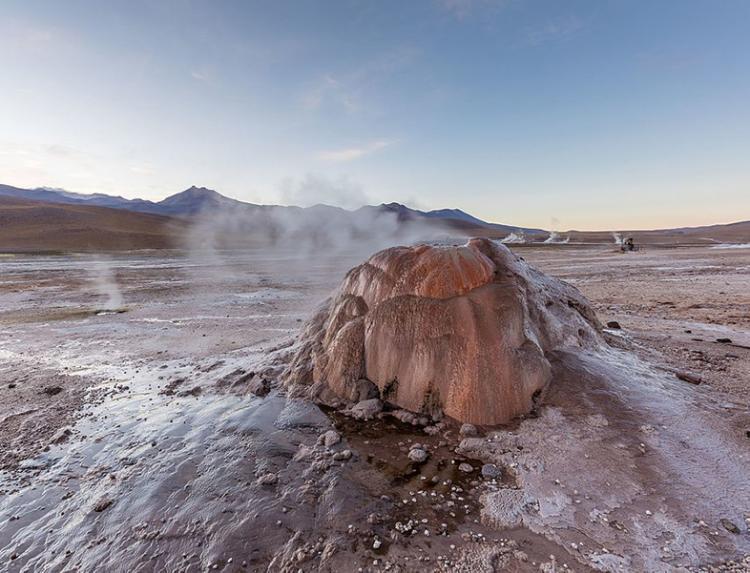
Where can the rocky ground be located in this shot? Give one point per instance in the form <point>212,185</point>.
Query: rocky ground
<point>154,438</point>
<point>686,308</point>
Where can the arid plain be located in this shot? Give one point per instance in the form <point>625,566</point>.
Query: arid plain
<point>147,436</point>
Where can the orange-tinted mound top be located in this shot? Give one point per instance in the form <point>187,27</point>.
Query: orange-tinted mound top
<point>427,271</point>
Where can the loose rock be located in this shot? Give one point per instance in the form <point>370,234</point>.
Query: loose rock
<point>468,430</point>
<point>366,409</point>
<point>689,377</point>
<point>268,479</point>
<point>51,390</point>
<point>491,471</point>
<point>364,390</point>
<point>729,526</point>
<point>342,455</point>
<point>259,387</point>
<point>103,503</point>
<point>60,436</point>
<point>330,438</point>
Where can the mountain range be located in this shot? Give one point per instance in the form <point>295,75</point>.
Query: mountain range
<point>197,200</point>
<point>54,219</point>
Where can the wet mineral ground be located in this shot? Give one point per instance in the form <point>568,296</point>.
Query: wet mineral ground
<point>142,427</point>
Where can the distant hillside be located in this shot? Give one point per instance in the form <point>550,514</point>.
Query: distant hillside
<point>54,218</point>
<point>197,200</point>
<point>70,198</point>
<point>707,235</point>
<point>451,218</point>
<point>27,225</point>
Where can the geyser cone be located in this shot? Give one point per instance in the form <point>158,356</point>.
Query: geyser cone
<point>461,331</point>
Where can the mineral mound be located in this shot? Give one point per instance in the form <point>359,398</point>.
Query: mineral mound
<point>463,331</point>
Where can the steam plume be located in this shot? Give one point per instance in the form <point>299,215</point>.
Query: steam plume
<point>105,284</point>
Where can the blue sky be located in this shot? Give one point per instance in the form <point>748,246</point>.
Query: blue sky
<point>580,114</point>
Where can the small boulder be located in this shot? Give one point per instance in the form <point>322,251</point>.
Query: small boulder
<point>259,386</point>
<point>268,479</point>
<point>729,526</point>
<point>405,416</point>
<point>491,471</point>
<point>329,438</point>
<point>60,436</point>
<point>364,390</point>
<point>366,409</point>
<point>51,390</point>
<point>468,430</point>
<point>465,468</point>
<point>418,455</point>
<point>103,503</point>
<point>342,455</point>
<point>689,377</point>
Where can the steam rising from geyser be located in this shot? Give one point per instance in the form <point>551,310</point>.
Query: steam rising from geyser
<point>518,237</point>
<point>555,237</point>
<point>105,284</point>
<point>321,230</point>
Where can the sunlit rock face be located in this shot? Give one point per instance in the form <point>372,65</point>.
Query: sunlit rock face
<point>462,331</point>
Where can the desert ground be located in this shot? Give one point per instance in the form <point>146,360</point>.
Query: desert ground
<point>142,426</point>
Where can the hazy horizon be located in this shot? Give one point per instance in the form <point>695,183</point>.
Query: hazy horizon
<point>588,115</point>
<point>354,207</point>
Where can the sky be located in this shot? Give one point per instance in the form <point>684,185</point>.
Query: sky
<point>573,114</point>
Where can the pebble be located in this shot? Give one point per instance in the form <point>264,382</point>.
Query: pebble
<point>418,455</point>
<point>268,479</point>
<point>330,438</point>
<point>729,526</point>
<point>342,455</point>
<point>468,430</point>
<point>103,503</point>
<point>366,409</point>
<point>466,468</point>
<point>491,471</point>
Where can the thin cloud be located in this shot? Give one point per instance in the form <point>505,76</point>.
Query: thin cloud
<point>460,9</point>
<point>554,31</point>
<point>330,89</point>
<point>355,90</point>
<point>35,39</point>
<point>142,169</point>
<point>352,153</point>
<point>198,75</point>
<point>316,189</point>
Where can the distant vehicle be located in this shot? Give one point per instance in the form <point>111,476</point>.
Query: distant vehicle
<point>628,245</point>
